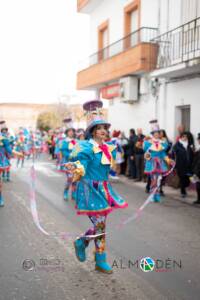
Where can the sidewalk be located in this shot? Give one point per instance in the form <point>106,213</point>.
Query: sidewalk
<point>169,191</point>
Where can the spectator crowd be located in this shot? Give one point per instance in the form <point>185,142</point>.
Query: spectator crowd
<point>131,159</point>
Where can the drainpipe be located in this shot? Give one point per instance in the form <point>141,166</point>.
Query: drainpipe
<point>156,107</point>
<point>157,88</point>
<point>165,103</point>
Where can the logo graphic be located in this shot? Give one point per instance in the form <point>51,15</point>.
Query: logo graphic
<point>147,264</point>
<point>28,265</point>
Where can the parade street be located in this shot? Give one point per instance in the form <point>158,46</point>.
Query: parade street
<point>34,266</point>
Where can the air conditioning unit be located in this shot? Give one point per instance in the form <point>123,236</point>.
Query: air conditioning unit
<point>129,89</point>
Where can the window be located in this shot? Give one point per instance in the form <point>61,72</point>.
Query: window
<point>105,38</point>
<point>131,24</point>
<point>185,117</point>
<point>134,20</point>
<point>182,116</point>
<point>103,41</point>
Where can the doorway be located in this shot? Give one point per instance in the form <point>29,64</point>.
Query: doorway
<point>185,117</point>
<point>182,116</point>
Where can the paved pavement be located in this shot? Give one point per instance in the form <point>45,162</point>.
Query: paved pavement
<point>33,266</point>
<point>173,193</point>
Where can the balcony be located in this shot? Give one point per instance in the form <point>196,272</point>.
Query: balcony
<point>179,51</point>
<point>87,6</point>
<point>134,54</point>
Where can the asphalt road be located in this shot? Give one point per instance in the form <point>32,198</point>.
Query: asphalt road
<point>34,266</point>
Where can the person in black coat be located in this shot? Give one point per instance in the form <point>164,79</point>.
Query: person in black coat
<point>184,159</point>
<point>139,155</point>
<point>190,140</point>
<point>124,142</point>
<point>196,171</point>
<point>131,154</point>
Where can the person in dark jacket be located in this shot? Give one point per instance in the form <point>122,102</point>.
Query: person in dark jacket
<point>139,155</point>
<point>124,142</point>
<point>184,158</point>
<point>131,154</point>
<point>196,170</point>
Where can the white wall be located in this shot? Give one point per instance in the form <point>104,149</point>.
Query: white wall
<point>185,92</point>
<point>170,14</point>
<point>149,13</point>
<point>125,116</point>
<point>174,13</point>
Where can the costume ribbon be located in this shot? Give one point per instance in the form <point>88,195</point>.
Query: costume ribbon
<point>66,235</point>
<point>105,150</point>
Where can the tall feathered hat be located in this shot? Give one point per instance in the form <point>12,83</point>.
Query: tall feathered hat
<point>94,115</point>
<point>154,126</point>
<point>68,124</point>
<point>3,125</point>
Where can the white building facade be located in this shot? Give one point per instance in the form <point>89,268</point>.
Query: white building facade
<point>146,61</point>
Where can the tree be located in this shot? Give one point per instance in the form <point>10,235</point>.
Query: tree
<point>48,120</point>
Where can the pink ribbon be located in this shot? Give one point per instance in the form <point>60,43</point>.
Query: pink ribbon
<point>105,150</point>
<point>73,142</point>
<point>66,235</point>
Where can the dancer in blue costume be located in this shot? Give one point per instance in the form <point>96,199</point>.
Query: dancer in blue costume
<point>5,152</point>
<point>6,173</point>
<point>58,142</point>
<point>80,134</point>
<point>156,160</point>
<point>30,145</point>
<point>95,196</point>
<point>38,144</point>
<point>66,148</point>
<point>21,146</point>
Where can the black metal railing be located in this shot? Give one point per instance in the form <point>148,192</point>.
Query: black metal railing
<point>179,45</point>
<point>142,35</point>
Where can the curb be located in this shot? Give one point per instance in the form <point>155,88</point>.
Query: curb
<point>169,191</point>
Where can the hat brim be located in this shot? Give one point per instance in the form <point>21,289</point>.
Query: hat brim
<point>154,131</point>
<point>70,128</point>
<point>67,120</point>
<point>96,123</point>
<point>92,105</point>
